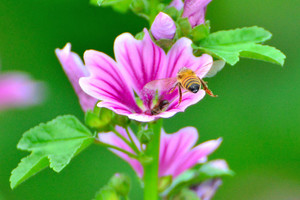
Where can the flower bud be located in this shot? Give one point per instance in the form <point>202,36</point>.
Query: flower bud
<point>207,189</point>
<point>195,11</point>
<point>120,183</point>
<point>164,182</point>
<point>121,120</point>
<point>145,135</point>
<point>107,193</point>
<point>163,27</point>
<point>178,4</point>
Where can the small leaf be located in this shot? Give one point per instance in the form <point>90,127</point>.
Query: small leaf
<point>55,142</point>
<point>28,166</point>
<point>229,45</point>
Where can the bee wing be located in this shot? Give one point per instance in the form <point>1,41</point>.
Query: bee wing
<point>217,66</point>
<point>161,84</point>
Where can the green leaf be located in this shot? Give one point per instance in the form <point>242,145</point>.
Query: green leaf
<point>230,45</point>
<point>55,142</point>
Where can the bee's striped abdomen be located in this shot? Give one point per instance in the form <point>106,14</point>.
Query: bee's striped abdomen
<point>191,83</point>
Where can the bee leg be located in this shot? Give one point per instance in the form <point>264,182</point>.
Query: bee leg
<point>180,94</point>
<point>173,88</point>
<point>205,88</point>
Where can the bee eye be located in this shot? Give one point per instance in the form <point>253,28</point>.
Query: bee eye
<point>194,88</point>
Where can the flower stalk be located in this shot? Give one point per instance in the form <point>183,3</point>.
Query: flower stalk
<point>151,168</point>
<point>116,148</point>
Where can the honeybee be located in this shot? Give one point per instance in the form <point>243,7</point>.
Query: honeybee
<point>160,107</point>
<point>187,80</point>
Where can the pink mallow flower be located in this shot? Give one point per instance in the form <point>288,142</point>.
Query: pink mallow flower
<point>163,27</point>
<point>119,84</point>
<point>195,11</point>
<point>75,69</point>
<point>19,90</point>
<point>177,151</point>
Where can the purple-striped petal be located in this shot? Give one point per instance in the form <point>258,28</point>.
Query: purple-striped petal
<point>75,69</point>
<point>195,11</point>
<point>140,61</point>
<point>178,4</point>
<point>173,148</point>
<point>188,99</point>
<point>106,81</point>
<point>18,90</point>
<point>112,139</point>
<point>163,27</point>
<point>181,55</point>
<point>196,154</point>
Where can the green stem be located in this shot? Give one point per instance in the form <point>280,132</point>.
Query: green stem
<point>116,148</point>
<point>125,140</point>
<point>151,168</point>
<point>132,142</point>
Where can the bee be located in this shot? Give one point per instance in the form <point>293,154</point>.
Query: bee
<point>160,107</point>
<point>187,80</point>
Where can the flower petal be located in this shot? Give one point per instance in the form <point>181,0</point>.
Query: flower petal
<point>75,69</point>
<point>106,82</point>
<point>178,4</point>
<point>197,153</point>
<point>112,139</point>
<point>181,55</point>
<point>195,10</point>
<point>188,99</point>
<point>207,189</point>
<point>173,148</point>
<point>141,61</point>
<point>18,90</point>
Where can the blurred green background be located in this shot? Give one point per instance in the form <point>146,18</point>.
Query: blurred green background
<point>257,112</point>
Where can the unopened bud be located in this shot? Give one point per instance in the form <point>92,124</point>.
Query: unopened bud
<point>163,27</point>
<point>121,120</point>
<point>164,182</point>
<point>120,183</point>
<point>145,136</point>
<point>195,11</point>
<point>107,193</point>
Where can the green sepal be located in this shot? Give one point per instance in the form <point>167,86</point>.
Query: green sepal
<point>52,144</point>
<point>165,44</point>
<point>172,12</point>
<point>183,27</point>
<point>200,32</point>
<point>232,44</point>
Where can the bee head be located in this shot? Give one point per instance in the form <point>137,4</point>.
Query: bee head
<point>194,88</point>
